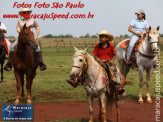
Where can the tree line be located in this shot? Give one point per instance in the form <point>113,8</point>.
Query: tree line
<point>87,35</point>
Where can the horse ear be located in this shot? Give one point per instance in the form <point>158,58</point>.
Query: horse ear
<point>158,28</point>
<point>149,28</point>
<point>76,49</point>
<point>24,26</point>
<point>86,49</point>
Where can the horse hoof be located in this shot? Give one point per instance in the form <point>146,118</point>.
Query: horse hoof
<point>124,94</point>
<point>16,102</point>
<point>149,101</point>
<point>140,102</point>
<point>29,102</point>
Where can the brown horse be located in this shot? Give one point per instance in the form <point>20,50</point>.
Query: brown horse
<point>2,53</point>
<point>25,62</point>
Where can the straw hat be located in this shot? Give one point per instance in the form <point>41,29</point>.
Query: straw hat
<point>106,33</point>
<point>25,10</point>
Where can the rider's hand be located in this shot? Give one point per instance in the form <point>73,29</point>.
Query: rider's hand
<point>140,33</point>
<point>111,61</point>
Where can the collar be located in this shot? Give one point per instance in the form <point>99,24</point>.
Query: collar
<point>139,20</point>
<point>100,45</point>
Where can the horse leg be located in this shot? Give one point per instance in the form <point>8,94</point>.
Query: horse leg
<point>22,84</point>
<point>117,104</point>
<point>90,100</point>
<point>2,71</point>
<point>127,69</point>
<point>28,86</point>
<point>18,85</point>
<point>140,84</point>
<point>148,74</point>
<point>103,100</point>
<point>99,116</point>
<point>121,64</point>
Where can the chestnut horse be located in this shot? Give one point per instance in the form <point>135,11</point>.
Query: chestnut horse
<point>25,62</point>
<point>2,53</point>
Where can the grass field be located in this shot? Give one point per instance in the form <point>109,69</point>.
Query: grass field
<point>51,85</point>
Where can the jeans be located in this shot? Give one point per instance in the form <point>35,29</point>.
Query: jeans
<point>132,42</point>
<point>15,43</point>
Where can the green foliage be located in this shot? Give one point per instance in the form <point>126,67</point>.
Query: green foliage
<point>161,35</point>
<point>48,36</point>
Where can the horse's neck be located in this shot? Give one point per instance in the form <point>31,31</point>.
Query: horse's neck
<point>145,47</point>
<point>93,67</point>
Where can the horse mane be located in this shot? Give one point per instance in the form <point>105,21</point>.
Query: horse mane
<point>91,60</point>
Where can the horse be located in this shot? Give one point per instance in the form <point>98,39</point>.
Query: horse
<point>145,55</point>
<point>25,62</point>
<point>94,79</point>
<point>2,53</point>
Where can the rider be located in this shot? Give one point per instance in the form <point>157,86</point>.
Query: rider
<point>6,42</point>
<point>105,52</point>
<point>26,14</point>
<point>137,27</point>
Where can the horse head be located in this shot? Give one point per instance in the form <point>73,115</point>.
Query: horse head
<point>80,63</point>
<point>26,36</point>
<point>153,38</point>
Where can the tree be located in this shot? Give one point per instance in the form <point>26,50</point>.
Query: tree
<point>121,36</point>
<point>126,36</point>
<point>93,36</point>
<point>161,35</point>
<point>87,35</point>
<point>48,36</point>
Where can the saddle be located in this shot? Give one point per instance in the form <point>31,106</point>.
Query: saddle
<point>138,43</point>
<point>109,71</point>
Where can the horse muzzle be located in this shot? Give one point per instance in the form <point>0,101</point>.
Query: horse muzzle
<point>33,45</point>
<point>156,50</point>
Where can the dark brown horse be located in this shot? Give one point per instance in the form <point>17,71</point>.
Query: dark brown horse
<point>2,53</point>
<point>25,62</point>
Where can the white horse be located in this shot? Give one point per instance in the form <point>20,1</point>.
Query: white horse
<point>94,79</point>
<point>144,59</point>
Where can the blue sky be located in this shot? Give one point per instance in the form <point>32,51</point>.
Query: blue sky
<point>112,15</point>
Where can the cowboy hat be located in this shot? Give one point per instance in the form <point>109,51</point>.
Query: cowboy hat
<point>106,33</point>
<point>25,10</point>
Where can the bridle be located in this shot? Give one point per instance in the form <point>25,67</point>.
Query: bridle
<point>82,71</point>
<point>145,55</point>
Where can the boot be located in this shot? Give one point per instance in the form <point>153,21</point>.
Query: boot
<point>73,83</point>
<point>119,88</point>
<point>8,66</point>
<point>41,64</point>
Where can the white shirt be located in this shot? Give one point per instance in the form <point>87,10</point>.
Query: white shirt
<point>2,26</point>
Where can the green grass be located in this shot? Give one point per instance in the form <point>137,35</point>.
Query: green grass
<point>51,85</point>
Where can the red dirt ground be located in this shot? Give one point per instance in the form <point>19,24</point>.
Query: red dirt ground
<point>131,111</point>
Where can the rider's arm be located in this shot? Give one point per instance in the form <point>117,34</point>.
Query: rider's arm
<point>18,27</point>
<point>37,32</point>
<point>37,29</point>
<point>96,58</point>
<point>130,29</point>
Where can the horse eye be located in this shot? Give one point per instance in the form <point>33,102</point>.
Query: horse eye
<point>81,60</point>
<point>149,37</point>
